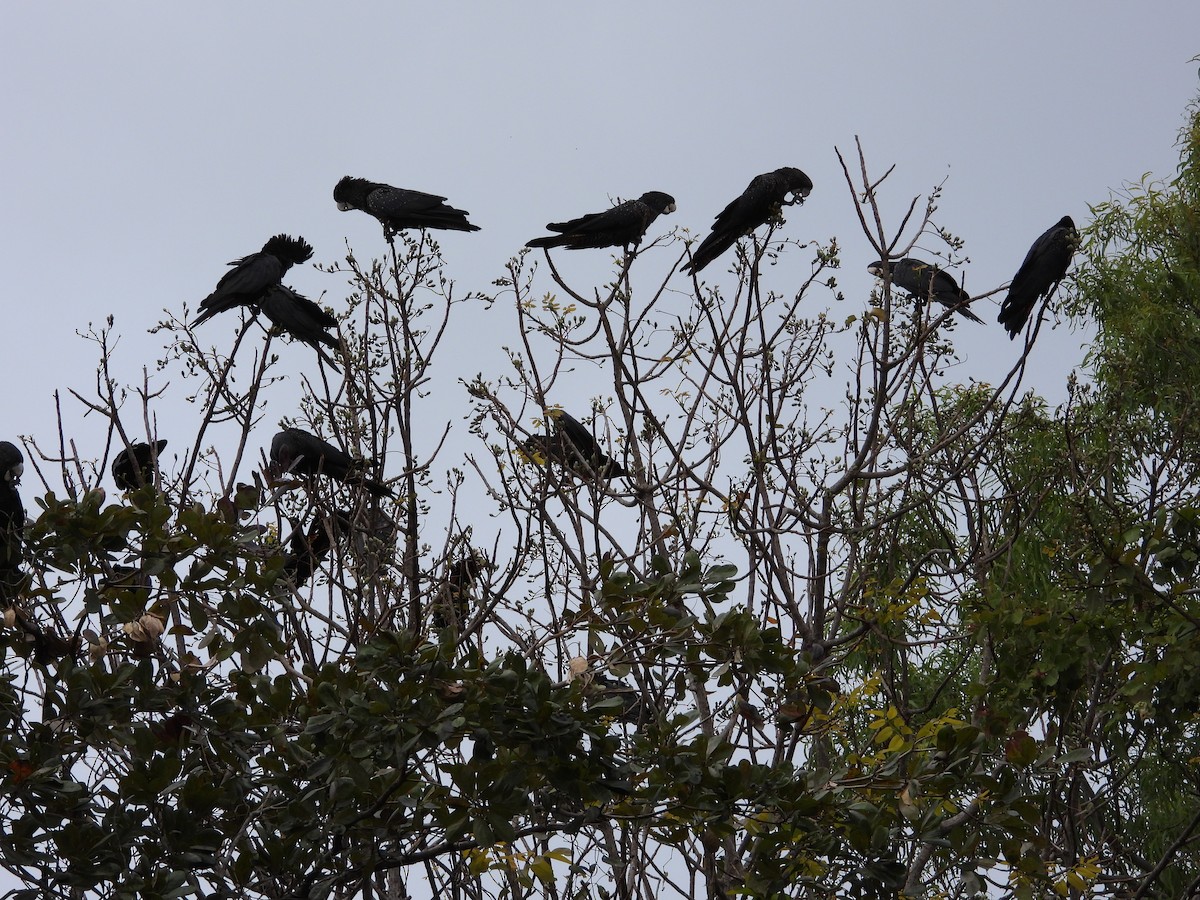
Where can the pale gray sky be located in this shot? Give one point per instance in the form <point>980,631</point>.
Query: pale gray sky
<point>145,146</point>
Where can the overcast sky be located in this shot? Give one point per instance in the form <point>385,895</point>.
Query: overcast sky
<point>145,146</point>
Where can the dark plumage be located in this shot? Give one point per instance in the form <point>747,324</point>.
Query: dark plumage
<point>303,319</point>
<point>308,548</point>
<point>925,281</point>
<point>585,446</point>
<point>12,463</point>
<point>42,644</point>
<point>1044,267</point>
<point>572,446</point>
<point>295,450</point>
<point>398,208</point>
<point>254,275</point>
<point>451,606</point>
<point>616,699</point>
<point>763,198</point>
<point>137,465</point>
<point>12,516</point>
<point>620,226</point>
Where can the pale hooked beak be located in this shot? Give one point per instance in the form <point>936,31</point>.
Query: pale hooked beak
<point>345,207</point>
<point>670,209</point>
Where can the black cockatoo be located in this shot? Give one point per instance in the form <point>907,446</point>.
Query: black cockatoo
<point>398,208</point>
<point>1044,267</point>
<point>620,226</point>
<point>12,516</point>
<point>301,453</point>
<point>303,319</point>
<point>254,275</point>
<point>763,198</point>
<point>137,465</point>
<point>925,281</point>
<point>572,446</point>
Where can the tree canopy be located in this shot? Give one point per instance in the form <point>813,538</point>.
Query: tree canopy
<point>779,610</point>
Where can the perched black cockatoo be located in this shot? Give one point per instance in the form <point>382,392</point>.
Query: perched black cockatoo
<point>925,281</point>
<point>295,450</point>
<point>12,515</point>
<point>617,699</point>
<point>12,463</point>
<point>398,208</point>
<point>254,275</point>
<point>303,319</point>
<point>620,226</point>
<point>1044,267</point>
<point>572,446</point>
<point>309,547</point>
<point>764,197</point>
<point>451,606</point>
<point>137,465</point>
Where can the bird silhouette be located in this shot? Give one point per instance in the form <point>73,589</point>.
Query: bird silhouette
<point>764,197</point>
<point>1044,267</point>
<point>253,275</point>
<point>399,208</point>
<point>621,226</point>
